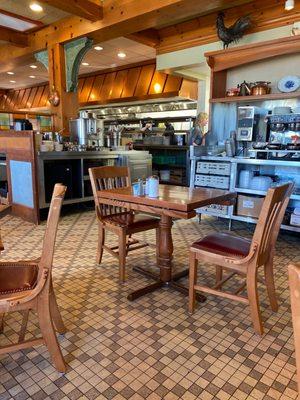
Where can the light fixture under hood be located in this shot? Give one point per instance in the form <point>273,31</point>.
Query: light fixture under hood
<point>289,5</point>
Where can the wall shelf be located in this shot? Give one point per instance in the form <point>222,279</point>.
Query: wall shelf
<point>251,99</point>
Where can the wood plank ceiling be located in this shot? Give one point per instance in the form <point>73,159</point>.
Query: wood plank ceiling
<point>124,84</point>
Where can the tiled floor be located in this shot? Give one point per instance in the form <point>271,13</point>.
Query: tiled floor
<point>151,348</point>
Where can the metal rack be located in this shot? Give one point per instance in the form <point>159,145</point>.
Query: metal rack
<point>235,163</point>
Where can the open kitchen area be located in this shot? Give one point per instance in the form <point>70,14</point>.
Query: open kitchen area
<point>149,199</point>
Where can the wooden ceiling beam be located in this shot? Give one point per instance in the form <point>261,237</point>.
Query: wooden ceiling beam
<point>87,9</point>
<point>120,18</point>
<point>199,31</point>
<point>148,37</point>
<point>13,37</point>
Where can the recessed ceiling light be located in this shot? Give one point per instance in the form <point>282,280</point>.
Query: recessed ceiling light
<point>98,48</point>
<point>32,76</point>
<point>121,54</point>
<point>33,66</point>
<point>10,73</point>
<point>12,81</point>
<point>157,88</point>
<point>85,63</point>
<point>35,7</point>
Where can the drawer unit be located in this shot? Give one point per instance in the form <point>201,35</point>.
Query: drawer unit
<point>219,182</point>
<point>213,168</point>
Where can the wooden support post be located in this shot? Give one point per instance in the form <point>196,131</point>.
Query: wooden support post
<point>68,101</point>
<point>294,277</point>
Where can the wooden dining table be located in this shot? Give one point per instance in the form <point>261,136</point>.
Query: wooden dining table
<point>173,202</point>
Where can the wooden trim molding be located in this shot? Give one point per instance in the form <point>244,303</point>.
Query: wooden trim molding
<point>230,58</point>
<point>267,14</point>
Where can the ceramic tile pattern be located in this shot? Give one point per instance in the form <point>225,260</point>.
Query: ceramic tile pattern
<point>151,348</point>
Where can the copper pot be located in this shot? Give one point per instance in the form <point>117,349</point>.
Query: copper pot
<point>260,88</point>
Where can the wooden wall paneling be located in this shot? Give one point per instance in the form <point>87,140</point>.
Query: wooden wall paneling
<point>173,83</point>
<point>80,85</point>
<point>144,81</point>
<point>26,98</point>
<point>6,100</point>
<point>117,87</point>
<point>95,94</point>
<point>38,96</point>
<point>131,82</point>
<point>9,103</point>
<point>3,98</point>
<point>14,99</point>
<point>218,84</point>
<point>86,89</point>
<point>20,98</point>
<point>23,102</point>
<point>108,85</point>
<point>157,82</point>
<point>44,98</point>
<point>31,97</point>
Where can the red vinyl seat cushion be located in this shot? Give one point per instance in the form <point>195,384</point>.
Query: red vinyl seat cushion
<point>17,278</point>
<point>131,221</point>
<point>224,244</point>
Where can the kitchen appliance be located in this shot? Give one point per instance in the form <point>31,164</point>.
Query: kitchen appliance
<point>284,128</point>
<point>251,125</point>
<point>87,131</point>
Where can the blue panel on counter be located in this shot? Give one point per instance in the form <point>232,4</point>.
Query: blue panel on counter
<point>21,183</point>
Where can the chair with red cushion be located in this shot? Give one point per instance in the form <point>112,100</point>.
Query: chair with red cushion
<point>27,285</point>
<point>117,220</point>
<point>241,256</point>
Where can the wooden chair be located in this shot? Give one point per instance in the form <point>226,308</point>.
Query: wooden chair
<point>294,279</point>
<point>117,220</point>
<point>241,256</point>
<point>27,285</point>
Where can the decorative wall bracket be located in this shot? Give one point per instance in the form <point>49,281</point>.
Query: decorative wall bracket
<point>74,53</point>
<point>42,57</point>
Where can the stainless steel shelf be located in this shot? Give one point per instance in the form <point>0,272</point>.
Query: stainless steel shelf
<point>262,192</point>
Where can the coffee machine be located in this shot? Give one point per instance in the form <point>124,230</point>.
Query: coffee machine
<point>251,125</point>
<point>87,131</point>
<point>284,128</point>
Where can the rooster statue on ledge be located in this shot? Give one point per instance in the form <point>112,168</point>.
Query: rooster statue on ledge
<point>235,32</point>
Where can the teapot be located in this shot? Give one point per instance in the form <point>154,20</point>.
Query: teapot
<point>245,88</point>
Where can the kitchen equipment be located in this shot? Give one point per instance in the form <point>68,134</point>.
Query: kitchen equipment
<point>259,145</point>
<point>229,148</point>
<point>245,178</point>
<point>87,131</point>
<point>245,88</point>
<point>251,125</point>
<point>261,183</point>
<point>233,92</point>
<point>288,84</point>
<point>275,146</point>
<point>282,110</point>
<point>260,88</point>
<point>283,127</point>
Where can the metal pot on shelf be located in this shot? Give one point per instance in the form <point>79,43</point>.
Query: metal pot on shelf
<point>260,88</point>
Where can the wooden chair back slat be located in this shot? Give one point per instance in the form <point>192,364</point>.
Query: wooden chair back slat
<point>105,178</point>
<point>51,227</point>
<point>270,219</point>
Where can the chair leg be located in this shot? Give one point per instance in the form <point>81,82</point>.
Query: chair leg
<point>55,314</point>
<point>254,302</point>
<point>122,255</point>
<point>269,277</point>
<point>24,326</point>
<point>192,281</point>
<point>219,275</point>
<point>101,239</point>
<point>1,323</point>
<point>48,333</point>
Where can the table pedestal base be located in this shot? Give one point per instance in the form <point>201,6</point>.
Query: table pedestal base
<point>173,284</point>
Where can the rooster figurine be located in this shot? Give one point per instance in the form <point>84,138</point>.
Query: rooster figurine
<point>234,32</point>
